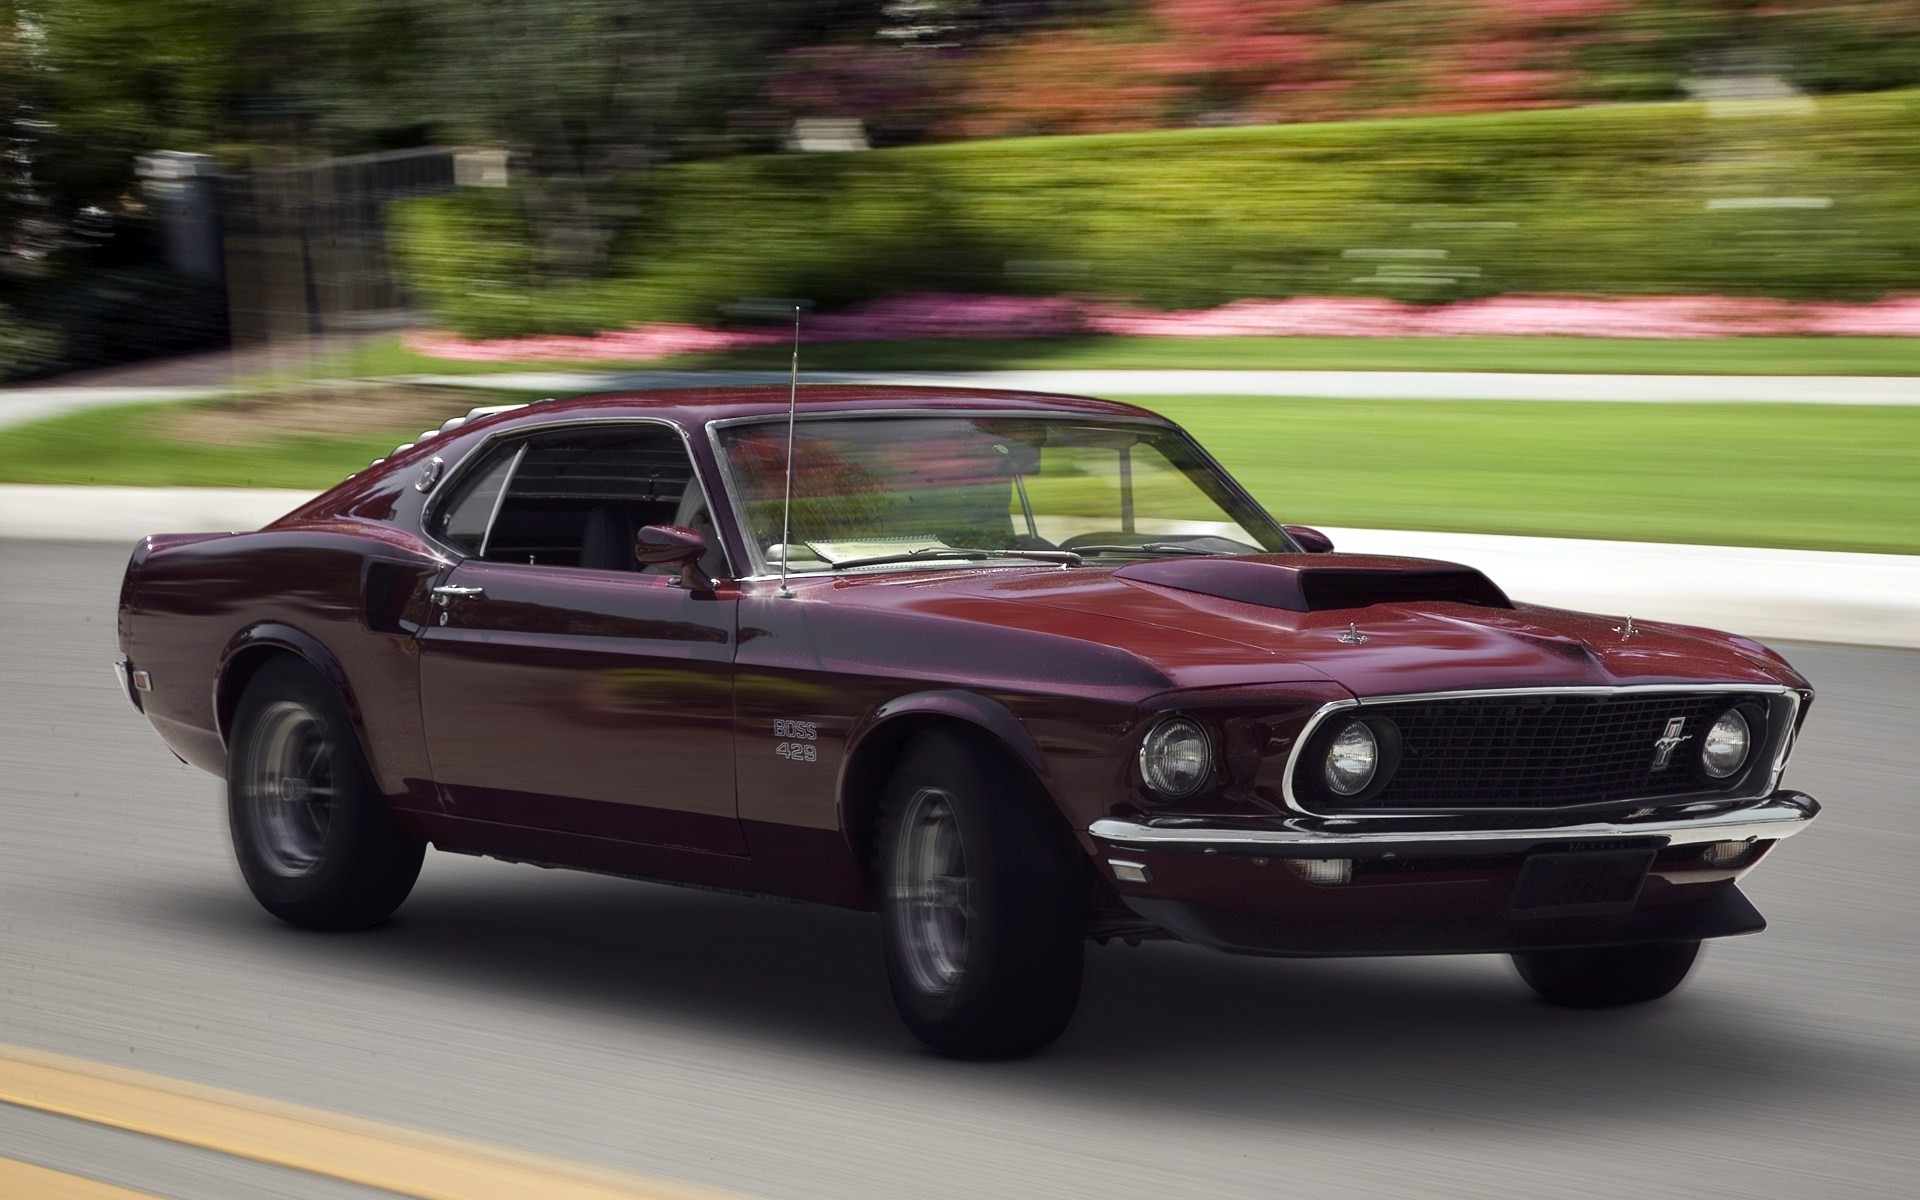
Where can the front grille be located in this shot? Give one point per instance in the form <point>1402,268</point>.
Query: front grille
<point>1545,751</point>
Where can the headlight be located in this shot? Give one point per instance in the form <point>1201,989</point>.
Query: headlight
<point>1352,758</point>
<point>1725,747</point>
<point>1175,758</point>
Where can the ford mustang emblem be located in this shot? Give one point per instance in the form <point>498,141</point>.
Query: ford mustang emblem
<point>1665,744</point>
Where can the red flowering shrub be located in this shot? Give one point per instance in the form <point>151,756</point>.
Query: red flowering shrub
<point>898,91</point>
<point>1182,62</point>
<point>1070,81</point>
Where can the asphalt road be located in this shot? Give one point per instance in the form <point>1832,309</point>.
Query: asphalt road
<point>750,1046</point>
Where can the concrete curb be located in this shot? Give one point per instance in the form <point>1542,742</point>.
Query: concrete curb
<point>1799,595</point>
<point>18,406</point>
<point>46,512</point>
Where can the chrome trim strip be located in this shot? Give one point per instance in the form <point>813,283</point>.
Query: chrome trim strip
<point>1324,711</point>
<point>506,485</point>
<point>1780,815</point>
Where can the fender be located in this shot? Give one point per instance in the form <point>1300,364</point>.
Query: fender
<point>275,635</point>
<point>990,715</point>
<point>876,731</point>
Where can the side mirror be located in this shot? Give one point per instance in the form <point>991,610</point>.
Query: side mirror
<point>1311,540</point>
<point>674,546</point>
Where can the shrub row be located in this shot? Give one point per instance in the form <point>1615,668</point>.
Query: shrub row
<point>97,318</point>
<point>1794,200</point>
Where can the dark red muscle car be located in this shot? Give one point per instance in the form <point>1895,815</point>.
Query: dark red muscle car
<point>1014,670</point>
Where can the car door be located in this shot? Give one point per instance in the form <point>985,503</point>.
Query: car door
<point>563,687</point>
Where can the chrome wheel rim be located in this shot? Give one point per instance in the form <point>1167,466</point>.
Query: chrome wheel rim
<point>289,789</point>
<point>930,893</point>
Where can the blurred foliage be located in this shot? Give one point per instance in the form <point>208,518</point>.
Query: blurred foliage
<point>580,91</point>
<point>18,342</point>
<point>1795,201</point>
<point>578,88</point>
<point>85,86</point>
<point>22,347</point>
<point>123,314</point>
<point>1162,63</point>
<point>624,120</point>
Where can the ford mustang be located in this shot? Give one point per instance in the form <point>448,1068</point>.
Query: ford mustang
<point>1017,671</point>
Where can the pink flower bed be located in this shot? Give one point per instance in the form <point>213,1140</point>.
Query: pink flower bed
<point>935,315</point>
<point>639,342</point>
<point>1303,316</point>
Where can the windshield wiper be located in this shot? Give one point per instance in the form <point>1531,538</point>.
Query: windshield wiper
<point>962,553</point>
<point>1149,548</point>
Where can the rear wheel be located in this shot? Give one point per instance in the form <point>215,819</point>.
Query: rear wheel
<point>315,840</point>
<point>980,912</point>
<point>1606,976</point>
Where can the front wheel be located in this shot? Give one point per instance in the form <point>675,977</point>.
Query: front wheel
<point>1606,976</point>
<point>315,840</point>
<point>980,912</point>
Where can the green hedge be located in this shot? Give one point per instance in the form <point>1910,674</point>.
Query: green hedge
<point>1606,200</point>
<point>102,314</point>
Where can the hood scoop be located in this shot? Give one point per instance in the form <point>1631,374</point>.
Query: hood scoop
<point>1321,582</point>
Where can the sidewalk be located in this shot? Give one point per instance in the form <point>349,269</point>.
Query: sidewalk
<point>1799,595</point>
<point>182,377</point>
<point>18,406</point>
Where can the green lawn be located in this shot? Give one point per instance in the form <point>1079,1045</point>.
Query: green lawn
<point>1812,476</point>
<point>122,446</point>
<point>1820,477</point>
<point>129,446</point>
<point>1606,356</point>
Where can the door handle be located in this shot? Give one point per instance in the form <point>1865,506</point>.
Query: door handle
<point>447,593</point>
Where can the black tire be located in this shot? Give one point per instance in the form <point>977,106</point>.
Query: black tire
<point>1003,976</point>
<point>315,840</point>
<point>1607,976</point>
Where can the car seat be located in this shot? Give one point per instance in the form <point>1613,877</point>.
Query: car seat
<point>607,540</point>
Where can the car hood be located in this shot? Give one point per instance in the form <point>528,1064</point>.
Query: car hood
<point>1176,618</point>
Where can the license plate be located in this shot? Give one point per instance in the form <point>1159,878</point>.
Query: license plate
<point>1579,885</point>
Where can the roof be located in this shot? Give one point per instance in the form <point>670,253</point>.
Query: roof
<point>697,406</point>
<point>693,407</point>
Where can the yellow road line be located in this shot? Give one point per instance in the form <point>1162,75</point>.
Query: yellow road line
<point>24,1180</point>
<point>402,1161</point>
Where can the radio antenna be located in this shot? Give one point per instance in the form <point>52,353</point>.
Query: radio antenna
<point>793,400</point>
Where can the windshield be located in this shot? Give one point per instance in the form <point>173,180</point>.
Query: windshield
<point>884,492</point>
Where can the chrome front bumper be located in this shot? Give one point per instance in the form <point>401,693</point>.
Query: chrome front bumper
<point>1780,815</point>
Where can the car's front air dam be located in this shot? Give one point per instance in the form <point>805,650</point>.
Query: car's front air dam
<point>1232,884</point>
<point>1725,914</point>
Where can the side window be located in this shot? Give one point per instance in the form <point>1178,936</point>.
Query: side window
<point>462,521</point>
<point>574,498</point>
